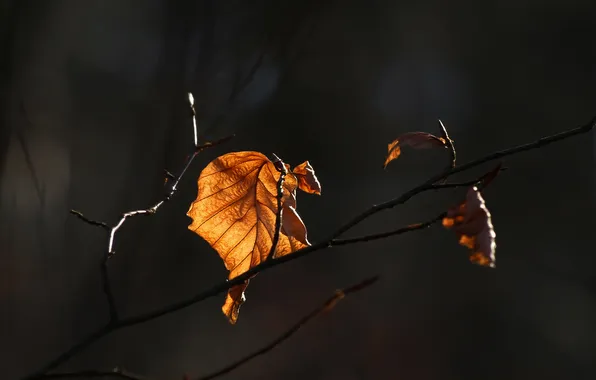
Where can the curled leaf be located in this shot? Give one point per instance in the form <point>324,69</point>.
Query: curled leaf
<point>307,180</point>
<point>292,224</point>
<point>234,299</point>
<point>471,221</point>
<point>236,211</point>
<point>418,140</point>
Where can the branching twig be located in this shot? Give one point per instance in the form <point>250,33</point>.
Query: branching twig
<point>328,243</point>
<point>92,222</point>
<point>113,310</point>
<point>325,307</point>
<point>448,172</point>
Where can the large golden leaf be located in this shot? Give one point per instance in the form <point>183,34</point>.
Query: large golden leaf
<point>236,210</point>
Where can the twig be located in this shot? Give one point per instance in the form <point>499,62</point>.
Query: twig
<point>475,182</point>
<point>325,307</point>
<point>191,101</point>
<point>281,168</point>
<point>328,243</point>
<point>92,222</point>
<point>450,145</point>
<point>448,172</point>
<point>116,374</point>
<point>107,289</point>
<point>383,235</point>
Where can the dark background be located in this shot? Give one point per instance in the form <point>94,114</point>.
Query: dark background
<point>93,109</point>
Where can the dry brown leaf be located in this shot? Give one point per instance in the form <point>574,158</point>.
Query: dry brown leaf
<point>292,224</point>
<point>234,299</point>
<point>418,140</point>
<point>471,221</point>
<point>307,180</point>
<point>236,210</point>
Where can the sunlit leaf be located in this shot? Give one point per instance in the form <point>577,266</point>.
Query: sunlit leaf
<point>307,180</point>
<point>471,221</point>
<point>236,210</point>
<point>234,299</point>
<point>418,140</point>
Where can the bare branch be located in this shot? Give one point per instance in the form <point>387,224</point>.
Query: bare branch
<point>328,243</point>
<point>383,235</point>
<point>107,289</point>
<point>324,308</point>
<point>448,172</point>
<point>92,222</point>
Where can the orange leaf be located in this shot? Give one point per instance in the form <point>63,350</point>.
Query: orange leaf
<point>236,210</point>
<point>471,221</point>
<point>307,180</point>
<point>292,224</point>
<point>418,140</point>
<point>234,299</point>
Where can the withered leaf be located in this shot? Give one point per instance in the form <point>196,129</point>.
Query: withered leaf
<point>235,212</point>
<point>471,221</point>
<point>418,140</point>
<point>307,180</point>
<point>234,299</point>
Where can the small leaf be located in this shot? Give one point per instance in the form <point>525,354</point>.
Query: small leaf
<point>471,221</point>
<point>292,224</point>
<point>234,299</point>
<point>236,211</point>
<point>307,180</point>
<point>418,140</point>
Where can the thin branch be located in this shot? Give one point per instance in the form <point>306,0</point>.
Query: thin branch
<point>448,172</point>
<point>481,182</point>
<point>107,289</point>
<point>324,308</point>
<point>383,235</point>
<point>281,168</point>
<point>450,145</point>
<point>328,243</point>
<point>152,210</point>
<point>92,222</point>
<point>90,374</point>
<point>72,351</point>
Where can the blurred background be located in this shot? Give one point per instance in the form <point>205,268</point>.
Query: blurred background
<point>93,109</point>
